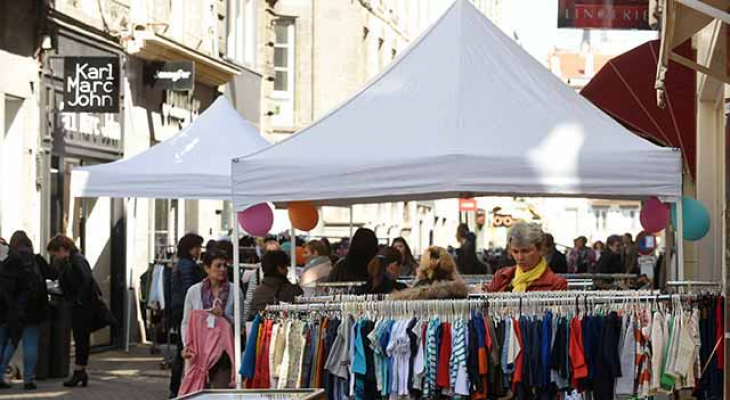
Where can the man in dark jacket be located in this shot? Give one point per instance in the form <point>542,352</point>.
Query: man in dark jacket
<point>467,261</point>
<point>610,261</point>
<point>275,286</point>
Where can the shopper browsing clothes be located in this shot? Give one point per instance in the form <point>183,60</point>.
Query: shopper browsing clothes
<point>526,241</point>
<point>581,258</point>
<point>466,256</point>
<point>408,264</point>
<point>275,286</point>
<point>437,278</point>
<point>610,261</point>
<point>215,295</point>
<point>317,268</point>
<point>383,272</point>
<point>185,274</point>
<point>354,267</point>
<point>24,305</point>
<point>554,258</point>
<point>82,292</point>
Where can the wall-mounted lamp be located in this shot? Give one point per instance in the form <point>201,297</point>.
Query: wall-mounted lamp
<point>46,42</point>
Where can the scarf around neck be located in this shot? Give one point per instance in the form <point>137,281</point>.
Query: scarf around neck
<point>209,299</point>
<point>523,280</point>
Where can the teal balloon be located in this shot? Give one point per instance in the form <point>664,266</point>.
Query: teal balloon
<point>286,247</point>
<point>696,221</point>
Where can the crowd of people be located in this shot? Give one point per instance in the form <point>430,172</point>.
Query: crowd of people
<point>532,262</point>
<point>618,255</point>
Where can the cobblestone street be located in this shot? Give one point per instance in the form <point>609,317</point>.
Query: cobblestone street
<point>113,375</point>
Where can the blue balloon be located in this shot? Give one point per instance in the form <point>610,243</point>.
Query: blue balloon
<point>696,221</point>
<point>286,247</point>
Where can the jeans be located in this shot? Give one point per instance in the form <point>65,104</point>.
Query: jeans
<point>31,338</point>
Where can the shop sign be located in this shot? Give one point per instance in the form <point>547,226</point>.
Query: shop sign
<point>100,129</point>
<point>467,205</point>
<point>91,84</point>
<point>501,220</point>
<point>607,14</point>
<point>174,75</point>
<point>646,243</point>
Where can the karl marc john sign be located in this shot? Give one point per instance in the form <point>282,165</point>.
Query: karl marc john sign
<point>91,84</point>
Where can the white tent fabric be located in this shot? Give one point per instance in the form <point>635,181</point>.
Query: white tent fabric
<point>464,111</point>
<point>193,164</point>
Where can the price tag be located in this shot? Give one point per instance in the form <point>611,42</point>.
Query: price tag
<point>211,321</point>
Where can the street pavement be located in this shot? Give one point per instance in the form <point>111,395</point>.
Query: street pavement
<point>113,375</point>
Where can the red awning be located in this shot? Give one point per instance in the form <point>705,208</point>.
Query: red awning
<point>624,89</point>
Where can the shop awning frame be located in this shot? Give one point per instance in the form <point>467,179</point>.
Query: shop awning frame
<point>683,19</point>
<point>152,46</point>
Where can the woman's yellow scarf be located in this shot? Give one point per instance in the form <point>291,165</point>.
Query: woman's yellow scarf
<point>523,280</point>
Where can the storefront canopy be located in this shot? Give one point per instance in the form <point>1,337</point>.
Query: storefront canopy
<point>193,164</point>
<point>464,111</point>
<point>624,89</point>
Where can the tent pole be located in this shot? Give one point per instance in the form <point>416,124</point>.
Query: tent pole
<point>130,212</point>
<point>680,241</point>
<point>351,223</point>
<point>293,250</point>
<point>236,298</point>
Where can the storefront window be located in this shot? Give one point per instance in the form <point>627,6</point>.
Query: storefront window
<point>226,222</point>
<point>284,72</point>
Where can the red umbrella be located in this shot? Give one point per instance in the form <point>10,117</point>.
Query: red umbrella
<point>624,89</point>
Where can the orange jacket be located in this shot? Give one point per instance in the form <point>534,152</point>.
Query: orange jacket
<point>549,281</point>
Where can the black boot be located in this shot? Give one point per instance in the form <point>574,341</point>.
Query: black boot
<point>78,377</point>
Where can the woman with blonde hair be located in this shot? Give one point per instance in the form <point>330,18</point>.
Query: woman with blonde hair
<point>436,278</point>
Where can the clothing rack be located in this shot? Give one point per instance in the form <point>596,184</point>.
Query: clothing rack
<point>484,299</point>
<point>694,283</point>
<point>339,284</point>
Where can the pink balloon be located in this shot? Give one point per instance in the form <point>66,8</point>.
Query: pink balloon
<point>654,215</point>
<point>257,220</point>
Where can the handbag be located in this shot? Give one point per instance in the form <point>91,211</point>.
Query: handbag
<point>101,316</point>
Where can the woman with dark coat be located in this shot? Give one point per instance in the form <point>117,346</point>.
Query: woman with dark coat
<point>25,298</point>
<point>354,267</point>
<point>81,291</point>
<point>275,286</point>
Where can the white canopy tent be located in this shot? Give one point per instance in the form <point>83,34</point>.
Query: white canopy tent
<point>463,112</point>
<point>193,164</point>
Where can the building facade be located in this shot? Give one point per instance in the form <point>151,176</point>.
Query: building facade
<point>44,139</point>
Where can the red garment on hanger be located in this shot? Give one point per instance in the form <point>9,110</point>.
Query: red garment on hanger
<point>578,367</point>
<point>442,378</point>
<point>208,345</point>
<point>261,378</point>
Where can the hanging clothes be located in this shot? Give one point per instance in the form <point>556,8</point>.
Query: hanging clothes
<point>546,355</point>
